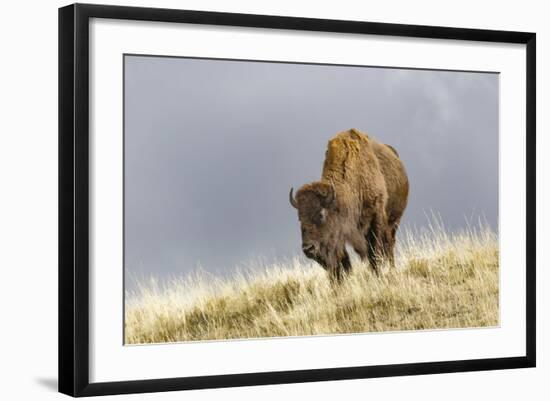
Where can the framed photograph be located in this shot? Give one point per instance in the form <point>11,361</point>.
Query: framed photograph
<point>252,199</point>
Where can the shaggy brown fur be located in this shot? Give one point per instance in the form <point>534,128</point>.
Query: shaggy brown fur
<point>358,201</point>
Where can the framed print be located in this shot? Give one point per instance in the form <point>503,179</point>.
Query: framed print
<point>251,199</point>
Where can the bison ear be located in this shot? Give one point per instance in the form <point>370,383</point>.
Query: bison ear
<point>327,194</point>
<point>323,215</point>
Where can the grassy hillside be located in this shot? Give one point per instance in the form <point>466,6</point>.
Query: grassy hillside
<point>441,281</point>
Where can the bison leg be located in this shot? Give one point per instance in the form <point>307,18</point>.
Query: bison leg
<point>372,251</point>
<point>346,262</point>
<point>390,244</point>
<point>377,242</point>
<point>341,268</point>
<point>390,241</point>
<point>335,273</point>
<point>360,245</point>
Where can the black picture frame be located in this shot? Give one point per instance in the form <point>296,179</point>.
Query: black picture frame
<point>74,197</point>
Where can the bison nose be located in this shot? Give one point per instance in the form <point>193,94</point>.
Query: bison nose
<point>309,249</point>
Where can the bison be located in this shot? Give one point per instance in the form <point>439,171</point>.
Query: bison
<point>359,201</point>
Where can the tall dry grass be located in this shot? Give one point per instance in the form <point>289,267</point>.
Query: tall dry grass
<point>440,281</point>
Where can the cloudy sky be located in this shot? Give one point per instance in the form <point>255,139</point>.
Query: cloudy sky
<point>212,148</point>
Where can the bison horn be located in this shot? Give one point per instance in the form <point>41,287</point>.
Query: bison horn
<point>292,200</point>
<point>329,198</point>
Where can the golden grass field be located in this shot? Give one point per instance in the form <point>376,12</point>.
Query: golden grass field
<point>440,281</point>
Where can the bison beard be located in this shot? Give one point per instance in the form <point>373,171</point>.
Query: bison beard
<point>359,201</point>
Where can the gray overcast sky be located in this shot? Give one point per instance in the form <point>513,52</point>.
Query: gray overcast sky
<point>212,148</point>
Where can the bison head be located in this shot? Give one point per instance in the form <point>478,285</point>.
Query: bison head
<point>315,203</point>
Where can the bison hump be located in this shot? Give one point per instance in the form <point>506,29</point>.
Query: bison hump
<point>346,154</point>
